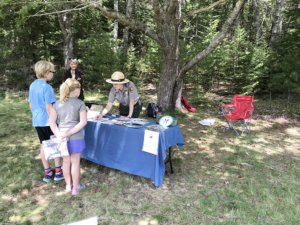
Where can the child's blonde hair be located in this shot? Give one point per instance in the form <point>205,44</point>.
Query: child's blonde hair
<point>67,87</point>
<point>41,67</point>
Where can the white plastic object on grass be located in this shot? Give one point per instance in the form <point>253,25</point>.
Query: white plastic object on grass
<point>207,122</point>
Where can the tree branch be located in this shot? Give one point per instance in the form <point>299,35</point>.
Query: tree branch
<point>63,11</point>
<point>129,22</point>
<point>61,24</point>
<point>36,2</point>
<point>200,10</point>
<point>214,44</point>
<point>156,7</point>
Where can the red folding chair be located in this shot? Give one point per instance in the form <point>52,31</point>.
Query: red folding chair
<point>241,114</point>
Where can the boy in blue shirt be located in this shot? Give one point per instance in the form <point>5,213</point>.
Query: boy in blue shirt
<point>41,98</point>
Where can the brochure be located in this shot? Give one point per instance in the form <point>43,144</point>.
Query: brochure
<point>55,148</point>
<point>101,120</point>
<point>109,122</point>
<point>156,128</point>
<point>139,121</point>
<point>151,139</point>
<point>119,122</point>
<point>132,125</point>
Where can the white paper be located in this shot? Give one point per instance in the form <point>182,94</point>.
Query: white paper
<point>207,122</point>
<point>91,114</point>
<point>110,122</point>
<point>90,221</point>
<point>151,140</point>
<point>101,120</point>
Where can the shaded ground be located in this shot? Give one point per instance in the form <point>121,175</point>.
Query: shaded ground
<point>219,178</point>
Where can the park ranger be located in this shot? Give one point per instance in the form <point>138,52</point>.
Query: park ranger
<point>125,92</point>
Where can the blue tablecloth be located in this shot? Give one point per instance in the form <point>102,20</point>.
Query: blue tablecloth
<point>120,148</point>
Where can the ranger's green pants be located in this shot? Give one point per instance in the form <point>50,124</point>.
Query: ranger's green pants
<point>124,110</point>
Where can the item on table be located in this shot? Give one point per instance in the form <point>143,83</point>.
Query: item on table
<point>158,116</point>
<point>105,116</point>
<point>101,120</point>
<point>139,121</point>
<point>166,121</point>
<point>125,120</point>
<point>109,122</point>
<point>156,128</point>
<point>133,125</point>
<point>174,122</point>
<point>119,122</point>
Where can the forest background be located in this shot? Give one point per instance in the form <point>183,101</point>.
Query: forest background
<point>259,54</point>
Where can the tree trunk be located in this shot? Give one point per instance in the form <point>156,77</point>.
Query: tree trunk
<point>129,9</point>
<point>170,67</point>
<point>115,26</point>
<point>65,23</point>
<point>168,79</point>
<point>256,5</point>
<point>277,25</point>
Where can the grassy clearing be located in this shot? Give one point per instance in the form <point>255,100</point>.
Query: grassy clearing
<point>219,178</point>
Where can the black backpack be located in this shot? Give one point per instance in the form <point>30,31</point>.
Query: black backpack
<point>151,110</point>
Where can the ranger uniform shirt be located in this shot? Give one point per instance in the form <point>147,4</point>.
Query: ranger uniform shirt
<point>129,92</point>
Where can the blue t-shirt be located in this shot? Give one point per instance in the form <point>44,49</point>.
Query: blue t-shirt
<point>40,95</point>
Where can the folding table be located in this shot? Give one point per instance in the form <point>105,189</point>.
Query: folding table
<point>120,147</point>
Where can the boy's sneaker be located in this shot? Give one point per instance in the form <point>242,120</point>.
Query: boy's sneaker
<point>75,191</point>
<point>48,178</point>
<point>59,177</point>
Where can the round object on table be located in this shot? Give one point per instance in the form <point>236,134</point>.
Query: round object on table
<point>166,121</point>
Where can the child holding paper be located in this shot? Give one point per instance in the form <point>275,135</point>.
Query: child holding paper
<point>41,98</point>
<point>72,115</point>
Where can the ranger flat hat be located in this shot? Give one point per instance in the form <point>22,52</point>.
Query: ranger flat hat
<point>117,78</point>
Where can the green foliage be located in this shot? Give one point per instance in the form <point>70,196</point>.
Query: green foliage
<point>144,68</point>
<point>17,81</point>
<point>238,62</point>
<point>99,59</point>
<point>284,64</point>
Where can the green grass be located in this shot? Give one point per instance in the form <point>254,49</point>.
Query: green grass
<point>219,178</point>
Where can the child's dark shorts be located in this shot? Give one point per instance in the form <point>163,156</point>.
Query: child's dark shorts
<point>44,133</point>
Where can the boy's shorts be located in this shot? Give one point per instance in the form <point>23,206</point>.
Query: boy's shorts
<point>44,133</point>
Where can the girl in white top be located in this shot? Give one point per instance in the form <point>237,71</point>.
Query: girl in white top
<point>72,115</point>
